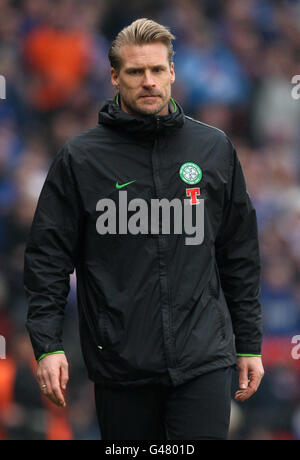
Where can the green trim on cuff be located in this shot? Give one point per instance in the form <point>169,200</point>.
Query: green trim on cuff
<point>241,355</point>
<point>52,353</point>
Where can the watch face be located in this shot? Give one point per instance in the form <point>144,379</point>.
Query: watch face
<point>190,173</point>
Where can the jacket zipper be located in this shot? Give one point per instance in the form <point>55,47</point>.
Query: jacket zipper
<point>157,123</point>
<point>172,362</point>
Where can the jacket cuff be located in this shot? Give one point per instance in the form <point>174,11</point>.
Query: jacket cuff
<point>243,349</point>
<point>47,349</point>
<point>247,356</point>
<point>59,352</point>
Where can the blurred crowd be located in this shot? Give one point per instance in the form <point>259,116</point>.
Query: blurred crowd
<point>234,64</point>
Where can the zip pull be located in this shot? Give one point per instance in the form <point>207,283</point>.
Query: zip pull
<point>157,123</point>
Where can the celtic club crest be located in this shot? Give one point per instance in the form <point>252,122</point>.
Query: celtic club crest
<point>190,173</point>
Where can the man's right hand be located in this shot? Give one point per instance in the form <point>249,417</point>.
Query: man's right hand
<point>53,376</point>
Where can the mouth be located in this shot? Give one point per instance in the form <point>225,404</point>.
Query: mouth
<point>148,97</point>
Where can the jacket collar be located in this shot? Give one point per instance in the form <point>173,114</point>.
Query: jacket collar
<point>112,115</point>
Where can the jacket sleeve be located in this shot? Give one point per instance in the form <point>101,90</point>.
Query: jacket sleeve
<point>50,255</point>
<point>238,259</point>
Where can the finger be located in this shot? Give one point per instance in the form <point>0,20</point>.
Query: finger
<point>54,400</point>
<point>243,378</point>
<point>46,383</point>
<point>56,390</point>
<point>40,379</point>
<point>43,388</point>
<point>254,381</point>
<point>64,376</point>
<point>49,390</point>
<point>243,395</point>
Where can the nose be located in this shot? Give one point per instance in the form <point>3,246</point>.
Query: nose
<point>148,80</point>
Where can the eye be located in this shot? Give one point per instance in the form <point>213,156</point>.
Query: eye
<point>158,69</point>
<point>135,72</point>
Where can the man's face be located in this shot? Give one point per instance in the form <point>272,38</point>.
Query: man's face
<point>145,78</point>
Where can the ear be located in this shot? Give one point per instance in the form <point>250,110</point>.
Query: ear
<point>114,78</point>
<point>172,72</point>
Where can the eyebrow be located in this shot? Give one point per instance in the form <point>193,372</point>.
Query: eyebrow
<point>129,69</point>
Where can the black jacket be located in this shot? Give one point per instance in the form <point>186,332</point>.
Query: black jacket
<point>151,307</point>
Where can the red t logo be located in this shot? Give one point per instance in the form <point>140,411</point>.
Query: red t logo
<point>193,193</point>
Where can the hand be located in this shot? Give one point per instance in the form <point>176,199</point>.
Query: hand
<point>53,374</point>
<point>251,372</point>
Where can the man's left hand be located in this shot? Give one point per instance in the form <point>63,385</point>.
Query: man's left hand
<point>251,372</point>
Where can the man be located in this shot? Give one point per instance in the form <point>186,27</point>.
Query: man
<point>164,305</point>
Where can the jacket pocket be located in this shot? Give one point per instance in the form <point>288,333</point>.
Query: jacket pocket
<point>219,310</point>
<point>104,343</point>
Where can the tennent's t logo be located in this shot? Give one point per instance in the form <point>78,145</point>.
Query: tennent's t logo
<point>193,193</point>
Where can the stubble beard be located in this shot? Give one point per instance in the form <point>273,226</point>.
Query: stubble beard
<point>135,109</point>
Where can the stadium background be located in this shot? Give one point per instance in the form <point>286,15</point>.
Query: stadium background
<point>234,63</point>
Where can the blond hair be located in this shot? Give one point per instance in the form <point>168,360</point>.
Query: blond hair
<point>140,32</point>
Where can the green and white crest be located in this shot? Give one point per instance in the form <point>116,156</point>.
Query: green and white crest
<point>190,173</point>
